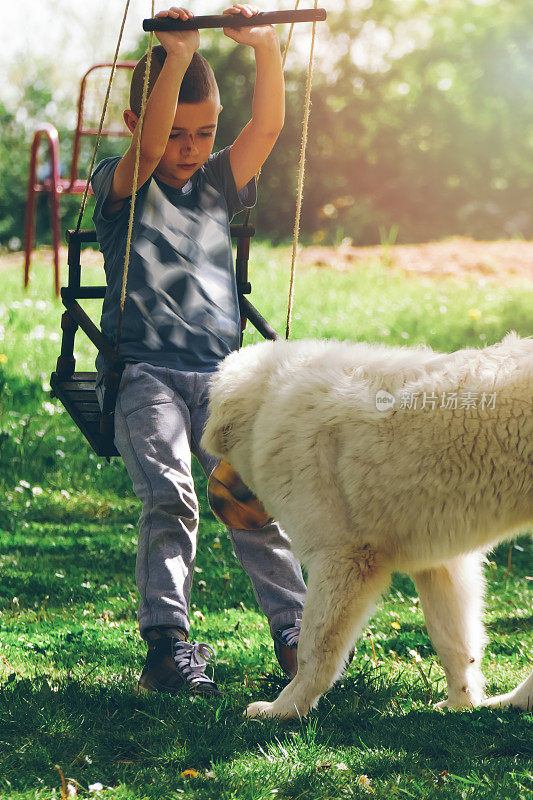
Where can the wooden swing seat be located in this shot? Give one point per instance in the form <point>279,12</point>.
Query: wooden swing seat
<point>78,395</point>
<point>77,390</point>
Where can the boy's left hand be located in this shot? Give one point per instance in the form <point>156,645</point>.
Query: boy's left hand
<point>249,36</point>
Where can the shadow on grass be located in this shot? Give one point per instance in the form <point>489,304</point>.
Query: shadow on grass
<point>107,733</point>
<point>511,624</point>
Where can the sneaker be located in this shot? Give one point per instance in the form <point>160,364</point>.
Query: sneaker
<point>286,648</point>
<point>173,665</point>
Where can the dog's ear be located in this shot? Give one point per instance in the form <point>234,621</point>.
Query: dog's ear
<point>227,438</point>
<point>217,439</point>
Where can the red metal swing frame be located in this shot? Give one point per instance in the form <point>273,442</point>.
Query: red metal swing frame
<point>54,186</point>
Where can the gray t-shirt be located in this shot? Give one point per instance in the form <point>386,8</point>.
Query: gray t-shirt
<point>181,308</point>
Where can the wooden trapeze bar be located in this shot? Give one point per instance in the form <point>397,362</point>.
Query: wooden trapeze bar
<point>234,20</point>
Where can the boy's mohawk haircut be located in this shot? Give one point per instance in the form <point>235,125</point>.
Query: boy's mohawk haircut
<point>198,82</point>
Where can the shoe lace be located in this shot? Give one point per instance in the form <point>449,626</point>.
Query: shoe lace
<point>192,659</point>
<point>291,635</point>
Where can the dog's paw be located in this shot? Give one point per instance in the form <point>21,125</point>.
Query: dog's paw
<point>464,698</point>
<point>511,700</point>
<point>455,705</point>
<point>444,704</point>
<point>260,709</point>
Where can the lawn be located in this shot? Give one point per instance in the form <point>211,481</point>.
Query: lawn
<point>70,652</point>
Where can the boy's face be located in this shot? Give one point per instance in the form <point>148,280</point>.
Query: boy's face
<point>191,141</point>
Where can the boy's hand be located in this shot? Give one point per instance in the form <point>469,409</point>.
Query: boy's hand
<point>249,36</point>
<point>181,43</point>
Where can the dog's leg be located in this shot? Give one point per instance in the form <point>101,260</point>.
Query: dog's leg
<point>342,588</point>
<point>521,697</point>
<point>452,601</point>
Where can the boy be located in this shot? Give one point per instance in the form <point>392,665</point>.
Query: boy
<point>181,318</point>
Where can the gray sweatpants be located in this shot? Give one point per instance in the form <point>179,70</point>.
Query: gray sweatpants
<point>159,420</point>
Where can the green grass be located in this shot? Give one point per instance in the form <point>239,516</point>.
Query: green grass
<point>70,652</point>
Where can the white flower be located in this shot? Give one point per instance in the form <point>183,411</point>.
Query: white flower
<point>37,491</point>
<point>37,332</point>
<point>96,787</point>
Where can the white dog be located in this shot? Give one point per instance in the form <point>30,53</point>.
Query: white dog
<point>377,459</point>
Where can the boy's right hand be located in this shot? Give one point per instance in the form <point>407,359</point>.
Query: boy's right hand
<point>182,43</point>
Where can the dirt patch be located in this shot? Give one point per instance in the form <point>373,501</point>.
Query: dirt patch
<point>459,259</point>
<point>44,255</point>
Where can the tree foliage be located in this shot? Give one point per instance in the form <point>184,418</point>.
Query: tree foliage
<point>421,126</point>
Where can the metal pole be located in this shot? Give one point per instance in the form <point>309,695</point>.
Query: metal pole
<point>234,20</point>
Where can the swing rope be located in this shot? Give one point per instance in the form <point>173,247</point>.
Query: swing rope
<point>135,184</point>
<point>102,118</point>
<point>283,61</point>
<point>289,38</point>
<point>301,175</point>
<point>301,168</point>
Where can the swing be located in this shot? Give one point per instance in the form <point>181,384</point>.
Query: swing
<point>230,500</point>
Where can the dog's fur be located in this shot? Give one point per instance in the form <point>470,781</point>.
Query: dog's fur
<point>362,492</point>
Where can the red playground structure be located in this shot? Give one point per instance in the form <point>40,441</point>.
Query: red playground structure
<point>53,184</point>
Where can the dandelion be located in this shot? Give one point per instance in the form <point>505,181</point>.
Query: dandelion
<point>364,781</point>
<point>474,313</point>
<point>396,626</point>
<point>189,773</point>
<point>3,358</point>
<point>38,332</point>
